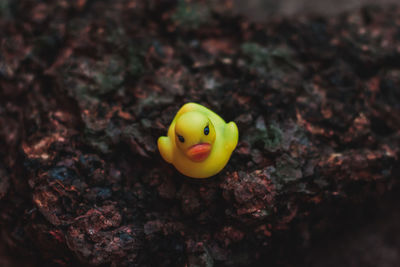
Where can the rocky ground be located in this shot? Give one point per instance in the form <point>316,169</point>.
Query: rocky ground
<point>87,87</point>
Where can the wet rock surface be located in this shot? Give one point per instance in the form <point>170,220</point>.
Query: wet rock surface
<point>88,86</point>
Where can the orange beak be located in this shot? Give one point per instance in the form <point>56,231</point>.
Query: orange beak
<point>199,152</point>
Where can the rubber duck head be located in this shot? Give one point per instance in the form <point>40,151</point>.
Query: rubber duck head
<point>194,135</point>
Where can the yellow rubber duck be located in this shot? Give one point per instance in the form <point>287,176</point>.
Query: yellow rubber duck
<point>199,142</point>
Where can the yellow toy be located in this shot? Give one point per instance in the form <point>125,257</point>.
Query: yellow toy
<point>199,142</point>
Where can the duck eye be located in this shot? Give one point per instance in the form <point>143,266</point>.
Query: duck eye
<point>206,130</point>
<point>181,139</point>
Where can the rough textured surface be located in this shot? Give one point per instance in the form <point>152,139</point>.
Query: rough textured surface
<point>88,86</point>
<point>260,10</point>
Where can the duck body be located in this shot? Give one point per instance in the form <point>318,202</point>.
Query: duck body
<point>199,142</point>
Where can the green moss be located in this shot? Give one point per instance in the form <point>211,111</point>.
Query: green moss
<point>99,143</point>
<point>135,62</point>
<point>270,137</point>
<point>190,15</point>
<point>5,9</point>
<point>110,76</point>
<point>75,26</point>
<point>201,258</point>
<point>154,99</point>
<point>115,35</point>
<point>264,60</point>
<point>87,79</point>
<point>288,169</point>
<point>273,137</point>
<point>258,55</point>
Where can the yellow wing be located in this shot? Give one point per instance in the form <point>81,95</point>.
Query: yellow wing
<point>231,135</point>
<point>165,147</point>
